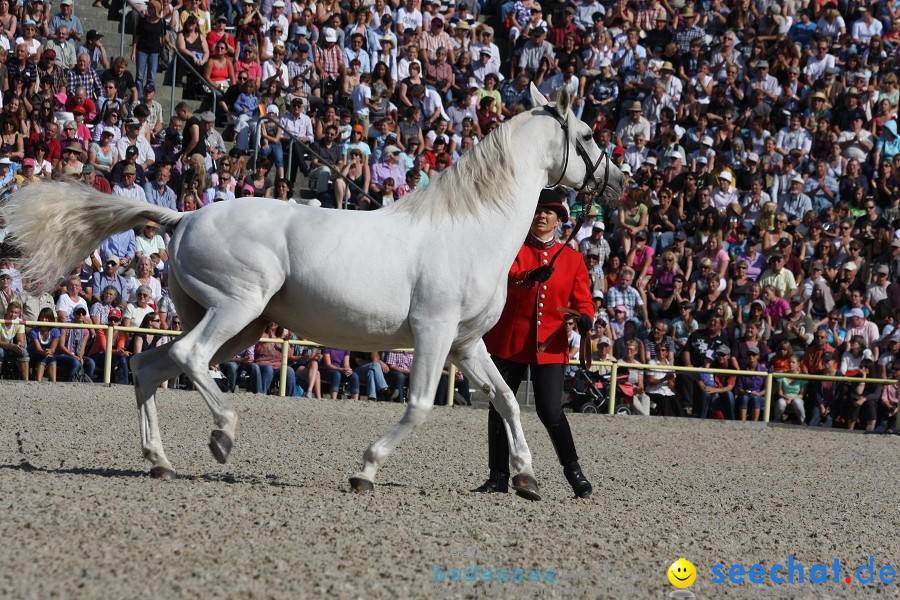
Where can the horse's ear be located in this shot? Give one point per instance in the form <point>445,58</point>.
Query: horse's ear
<point>563,101</point>
<point>537,98</point>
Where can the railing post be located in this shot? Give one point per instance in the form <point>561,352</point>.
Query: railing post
<point>290,155</point>
<point>282,380</point>
<point>451,383</point>
<point>613,384</point>
<point>107,360</point>
<point>259,123</point>
<point>174,75</point>
<point>122,32</point>
<point>768,406</point>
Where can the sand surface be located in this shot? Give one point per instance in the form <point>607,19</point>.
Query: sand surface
<point>80,518</point>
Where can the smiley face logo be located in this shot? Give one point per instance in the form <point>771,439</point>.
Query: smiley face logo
<point>682,573</point>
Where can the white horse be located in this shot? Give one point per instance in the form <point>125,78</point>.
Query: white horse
<point>429,272</point>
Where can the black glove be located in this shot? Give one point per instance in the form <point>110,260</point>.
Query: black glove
<point>541,274</point>
<point>585,322</point>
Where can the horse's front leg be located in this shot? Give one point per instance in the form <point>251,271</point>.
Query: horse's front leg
<point>476,363</point>
<point>425,374</point>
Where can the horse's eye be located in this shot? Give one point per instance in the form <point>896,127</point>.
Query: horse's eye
<point>587,137</point>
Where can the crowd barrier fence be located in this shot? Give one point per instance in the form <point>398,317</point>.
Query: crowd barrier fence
<point>112,330</point>
<point>770,378</point>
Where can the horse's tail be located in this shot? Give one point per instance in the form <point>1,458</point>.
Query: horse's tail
<point>56,225</point>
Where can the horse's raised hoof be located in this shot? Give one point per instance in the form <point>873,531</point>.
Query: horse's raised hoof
<point>361,486</point>
<point>220,445</point>
<point>163,473</point>
<point>526,486</point>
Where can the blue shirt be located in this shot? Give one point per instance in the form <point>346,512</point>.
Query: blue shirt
<point>73,23</point>
<point>166,198</point>
<point>99,281</point>
<point>35,335</point>
<point>629,57</point>
<point>889,148</point>
<point>246,102</point>
<point>802,34</point>
<point>119,244</point>
<point>365,66</point>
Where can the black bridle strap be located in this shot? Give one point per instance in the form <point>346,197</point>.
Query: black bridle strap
<point>590,166</point>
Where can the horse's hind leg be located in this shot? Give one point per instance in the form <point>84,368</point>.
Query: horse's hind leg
<point>476,363</point>
<point>152,367</point>
<point>148,370</point>
<point>196,350</point>
<point>425,374</point>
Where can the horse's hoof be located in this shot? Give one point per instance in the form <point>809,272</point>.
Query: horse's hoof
<point>220,445</point>
<point>526,486</point>
<point>361,486</point>
<point>163,473</point>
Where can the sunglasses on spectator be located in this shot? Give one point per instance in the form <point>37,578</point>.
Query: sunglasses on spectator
<point>155,321</point>
<point>114,319</point>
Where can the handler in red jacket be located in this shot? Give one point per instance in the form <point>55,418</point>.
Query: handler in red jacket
<point>531,332</point>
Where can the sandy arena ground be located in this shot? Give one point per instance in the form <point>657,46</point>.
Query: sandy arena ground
<point>79,518</point>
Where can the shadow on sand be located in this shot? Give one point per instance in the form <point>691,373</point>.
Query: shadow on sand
<point>229,478</point>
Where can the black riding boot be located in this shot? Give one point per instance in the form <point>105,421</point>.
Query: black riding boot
<point>561,436</point>
<point>498,457</point>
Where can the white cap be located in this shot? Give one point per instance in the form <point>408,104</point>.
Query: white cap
<point>272,109</point>
<point>278,4</point>
<point>725,175</point>
<point>625,168</point>
<point>707,140</point>
<point>605,63</point>
<point>329,34</point>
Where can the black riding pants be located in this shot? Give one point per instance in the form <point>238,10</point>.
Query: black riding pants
<point>547,381</point>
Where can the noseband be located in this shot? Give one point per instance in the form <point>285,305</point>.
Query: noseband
<point>590,166</point>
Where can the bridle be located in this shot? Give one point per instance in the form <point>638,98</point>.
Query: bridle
<point>589,165</point>
<point>585,352</point>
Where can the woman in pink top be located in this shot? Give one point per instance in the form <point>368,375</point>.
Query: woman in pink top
<point>640,258</point>
<point>718,256</point>
<point>249,63</point>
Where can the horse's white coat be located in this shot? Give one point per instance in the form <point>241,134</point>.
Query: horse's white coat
<point>429,271</point>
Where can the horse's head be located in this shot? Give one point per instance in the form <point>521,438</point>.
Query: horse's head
<point>580,163</point>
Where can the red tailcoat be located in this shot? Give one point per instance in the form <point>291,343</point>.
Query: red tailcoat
<point>521,328</point>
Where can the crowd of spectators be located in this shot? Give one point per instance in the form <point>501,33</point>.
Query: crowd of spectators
<point>759,142</point>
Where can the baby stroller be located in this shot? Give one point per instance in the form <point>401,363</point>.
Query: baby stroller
<point>588,392</point>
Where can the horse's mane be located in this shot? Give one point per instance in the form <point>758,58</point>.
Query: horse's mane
<point>481,179</point>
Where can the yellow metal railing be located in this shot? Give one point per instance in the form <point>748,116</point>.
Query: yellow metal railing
<point>770,377</point>
<point>112,331</point>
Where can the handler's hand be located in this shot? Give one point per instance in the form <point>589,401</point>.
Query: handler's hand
<point>541,274</point>
<point>585,323</point>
